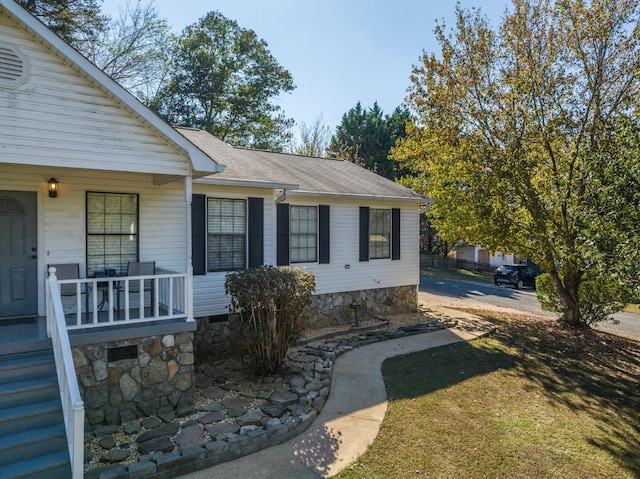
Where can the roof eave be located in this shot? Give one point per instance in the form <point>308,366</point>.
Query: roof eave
<point>365,197</point>
<point>200,162</point>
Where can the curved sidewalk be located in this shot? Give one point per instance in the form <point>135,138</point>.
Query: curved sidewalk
<point>351,418</point>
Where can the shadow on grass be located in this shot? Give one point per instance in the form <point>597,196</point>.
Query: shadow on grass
<point>587,371</point>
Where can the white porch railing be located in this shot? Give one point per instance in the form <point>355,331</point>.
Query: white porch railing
<point>99,302</point>
<point>72,405</point>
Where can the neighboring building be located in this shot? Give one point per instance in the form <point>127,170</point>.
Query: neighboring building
<point>482,257</point>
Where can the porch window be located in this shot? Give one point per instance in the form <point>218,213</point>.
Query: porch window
<point>303,233</point>
<point>112,231</point>
<point>379,233</point>
<point>226,234</point>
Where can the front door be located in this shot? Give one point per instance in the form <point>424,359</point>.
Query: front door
<point>18,255</point>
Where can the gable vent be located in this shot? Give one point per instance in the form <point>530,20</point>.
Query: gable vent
<point>13,66</point>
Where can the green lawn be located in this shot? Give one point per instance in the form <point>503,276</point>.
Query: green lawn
<point>530,401</point>
<point>459,274</point>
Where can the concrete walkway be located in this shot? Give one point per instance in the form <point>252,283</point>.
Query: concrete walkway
<point>351,418</point>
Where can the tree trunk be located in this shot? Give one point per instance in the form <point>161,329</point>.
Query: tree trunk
<point>567,290</point>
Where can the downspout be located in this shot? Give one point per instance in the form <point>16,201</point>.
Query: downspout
<point>188,193</point>
<point>282,197</point>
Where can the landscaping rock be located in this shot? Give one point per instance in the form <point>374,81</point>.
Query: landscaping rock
<point>115,455</point>
<point>166,430</point>
<point>191,436</point>
<point>158,444</point>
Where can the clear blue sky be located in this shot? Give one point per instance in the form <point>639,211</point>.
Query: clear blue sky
<point>338,51</point>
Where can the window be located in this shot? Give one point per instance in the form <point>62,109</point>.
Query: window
<point>226,234</point>
<point>379,233</point>
<point>303,234</point>
<point>303,231</point>
<point>112,231</point>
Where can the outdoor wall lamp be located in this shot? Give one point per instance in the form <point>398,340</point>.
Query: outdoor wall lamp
<point>53,188</point>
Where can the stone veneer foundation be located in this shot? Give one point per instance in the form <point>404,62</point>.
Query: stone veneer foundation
<point>212,339</point>
<point>146,376</point>
<point>335,309</point>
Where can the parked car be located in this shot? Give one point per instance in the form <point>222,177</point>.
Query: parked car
<point>516,275</point>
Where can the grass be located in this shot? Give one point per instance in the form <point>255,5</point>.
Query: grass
<point>632,308</point>
<point>456,274</point>
<point>531,400</point>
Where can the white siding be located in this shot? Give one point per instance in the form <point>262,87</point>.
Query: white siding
<point>209,297</point>
<point>372,274</point>
<point>208,290</point>
<point>59,118</point>
<point>62,221</point>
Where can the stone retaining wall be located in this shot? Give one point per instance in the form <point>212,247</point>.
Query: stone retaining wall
<point>335,308</point>
<point>212,339</point>
<point>151,374</point>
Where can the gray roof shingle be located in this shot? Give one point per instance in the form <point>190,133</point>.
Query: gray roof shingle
<point>313,176</point>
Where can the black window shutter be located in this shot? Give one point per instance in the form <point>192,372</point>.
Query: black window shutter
<point>256,232</point>
<point>395,233</point>
<point>364,233</point>
<point>198,236</point>
<point>324,240</point>
<point>283,234</point>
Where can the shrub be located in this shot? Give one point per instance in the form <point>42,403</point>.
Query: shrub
<point>267,309</point>
<point>600,296</point>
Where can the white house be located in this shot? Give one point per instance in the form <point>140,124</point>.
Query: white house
<point>356,231</point>
<point>90,178</point>
<point>94,188</point>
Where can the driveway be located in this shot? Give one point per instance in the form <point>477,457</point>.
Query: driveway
<point>470,294</point>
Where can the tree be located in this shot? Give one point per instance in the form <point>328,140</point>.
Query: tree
<point>223,79</point>
<point>517,136</point>
<point>365,137</point>
<point>314,139</point>
<point>132,48</point>
<point>78,22</point>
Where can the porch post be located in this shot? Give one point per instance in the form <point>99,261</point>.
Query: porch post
<point>188,192</point>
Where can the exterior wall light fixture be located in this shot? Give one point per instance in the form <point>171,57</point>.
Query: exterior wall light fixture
<point>53,188</point>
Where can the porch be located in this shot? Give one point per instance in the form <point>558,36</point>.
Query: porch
<point>123,300</point>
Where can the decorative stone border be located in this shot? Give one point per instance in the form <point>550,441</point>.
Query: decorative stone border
<point>312,362</point>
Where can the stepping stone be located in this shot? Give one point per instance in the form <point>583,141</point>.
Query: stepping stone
<point>284,397</point>
<point>236,402</point>
<point>151,422</point>
<point>115,455</point>
<point>306,358</point>
<point>132,428</point>
<point>237,412</point>
<point>158,444</point>
<point>212,406</point>
<point>213,393</point>
<point>273,410</point>
<point>213,416</point>
<point>166,430</point>
<point>216,429</point>
<point>253,417</point>
<point>191,436</point>
<point>107,442</point>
